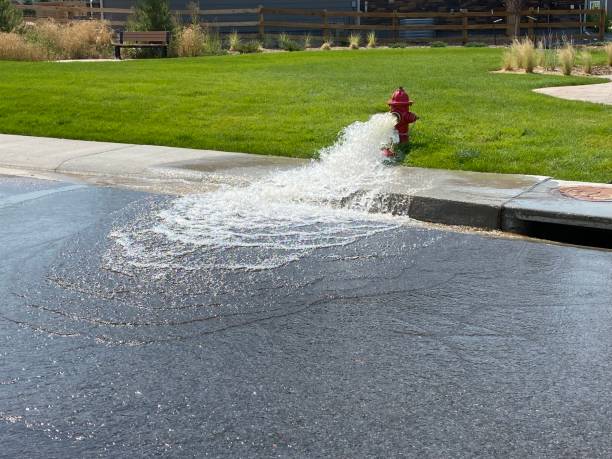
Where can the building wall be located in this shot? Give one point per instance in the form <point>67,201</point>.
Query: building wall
<point>339,5</point>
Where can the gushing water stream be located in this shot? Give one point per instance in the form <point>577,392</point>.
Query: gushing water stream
<point>275,220</point>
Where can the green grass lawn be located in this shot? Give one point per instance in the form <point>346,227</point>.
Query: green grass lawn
<point>295,103</point>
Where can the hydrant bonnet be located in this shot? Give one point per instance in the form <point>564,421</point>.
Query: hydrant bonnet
<point>399,99</point>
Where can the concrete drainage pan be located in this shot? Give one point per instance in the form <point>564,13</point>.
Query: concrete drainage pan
<point>588,193</point>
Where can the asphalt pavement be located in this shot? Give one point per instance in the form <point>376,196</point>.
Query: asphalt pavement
<point>411,342</point>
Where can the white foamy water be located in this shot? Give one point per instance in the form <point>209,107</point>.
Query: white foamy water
<point>275,220</point>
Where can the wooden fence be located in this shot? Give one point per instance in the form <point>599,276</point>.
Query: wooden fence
<point>392,26</point>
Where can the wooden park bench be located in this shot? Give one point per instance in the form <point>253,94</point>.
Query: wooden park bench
<point>157,39</point>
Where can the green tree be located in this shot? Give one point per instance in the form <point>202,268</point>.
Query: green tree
<point>10,17</point>
<point>151,15</point>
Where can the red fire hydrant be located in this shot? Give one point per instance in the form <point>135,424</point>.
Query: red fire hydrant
<point>399,105</point>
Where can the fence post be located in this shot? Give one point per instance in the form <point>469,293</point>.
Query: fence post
<point>602,23</point>
<point>395,27</point>
<point>262,32</point>
<point>464,30</point>
<point>325,30</point>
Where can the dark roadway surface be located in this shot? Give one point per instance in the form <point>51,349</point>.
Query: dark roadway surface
<point>414,342</point>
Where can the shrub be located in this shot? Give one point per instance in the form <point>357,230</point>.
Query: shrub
<point>10,17</point>
<point>372,39</point>
<point>15,47</point>
<point>608,51</point>
<point>287,43</point>
<point>567,58</point>
<point>354,40</point>
<point>587,62</point>
<point>247,47</point>
<point>234,41</point>
<point>438,44</point>
<point>151,15</point>
<point>475,44</point>
<point>397,45</point>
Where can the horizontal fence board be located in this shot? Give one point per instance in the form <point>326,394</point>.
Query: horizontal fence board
<point>217,12</point>
<point>557,25</point>
<point>293,11</point>
<point>231,24</point>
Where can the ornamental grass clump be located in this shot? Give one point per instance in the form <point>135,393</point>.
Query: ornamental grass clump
<point>547,57</point>
<point>567,58</point>
<point>213,44</point>
<point>608,51</point>
<point>15,47</point>
<point>190,41</point>
<point>327,45</point>
<point>307,41</point>
<point>527,56</point>
<point>509,59</point>
<point>586,59</point>
<point>354,40</point>
<point>234,41</point>
<point>287,43</point>
<point>372,40</point>
<point>248,47</point>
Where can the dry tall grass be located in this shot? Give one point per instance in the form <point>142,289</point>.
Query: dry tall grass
<point>327,45</point>
<point>521,55</point>
<point>190,41</point>
<point>509,60</point>
<point>608,51</point>
<point>526,55</point>
<point>75,40</point>
<point>567,58</point>
<point>15,47</point>
<point>587,62</point>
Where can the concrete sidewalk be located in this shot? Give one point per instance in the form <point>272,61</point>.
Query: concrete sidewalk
<point>594,93</point>
<point>483,200</point>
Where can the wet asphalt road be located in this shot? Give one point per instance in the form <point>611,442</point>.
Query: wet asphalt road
<point>414,342</point>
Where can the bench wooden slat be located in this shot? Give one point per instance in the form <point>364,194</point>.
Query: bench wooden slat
<point>153,36</point>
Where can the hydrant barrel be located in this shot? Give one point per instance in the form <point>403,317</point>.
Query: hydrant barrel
<point>399,105</point>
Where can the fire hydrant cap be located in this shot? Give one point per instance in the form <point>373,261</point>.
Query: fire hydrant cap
<point>399,97</point>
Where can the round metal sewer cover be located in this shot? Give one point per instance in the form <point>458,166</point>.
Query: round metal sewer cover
<point>588,193</point>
